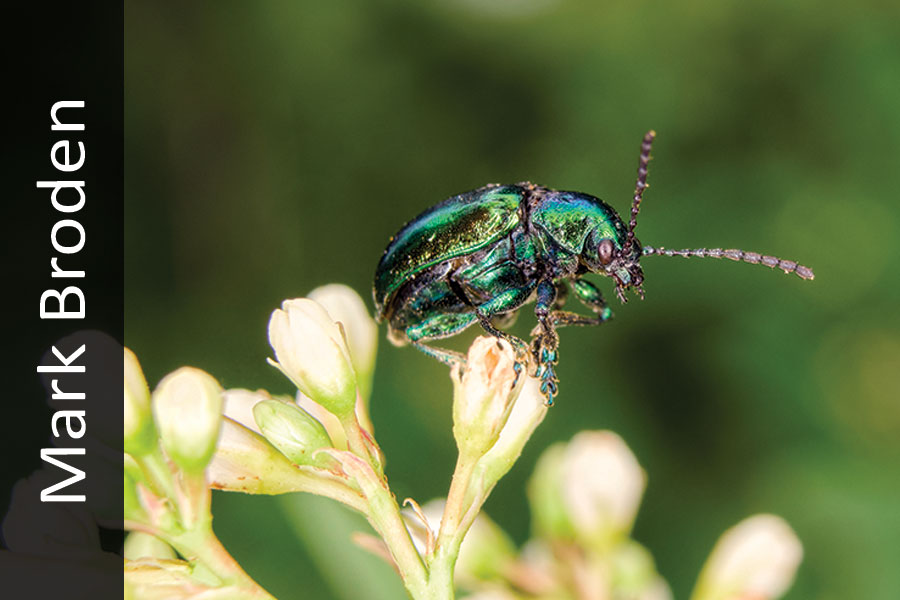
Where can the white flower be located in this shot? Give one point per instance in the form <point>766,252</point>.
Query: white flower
<point>187,406</point>
<point>526,414</point>
<point>312,352</point>
<point>602,485</point>
<point>345,306</point>
<point>483,395</point>
<point>757,558</point>
<point>245,462</point>
<point>139,433</point>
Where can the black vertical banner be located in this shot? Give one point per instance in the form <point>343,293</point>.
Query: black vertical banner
<point>63,291</point>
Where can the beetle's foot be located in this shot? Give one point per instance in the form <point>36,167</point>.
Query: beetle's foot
<point>518,368</point>
<point>549,390</point>
<point>545,356</point>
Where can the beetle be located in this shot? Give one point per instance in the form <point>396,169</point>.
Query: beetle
<point>479,256</point>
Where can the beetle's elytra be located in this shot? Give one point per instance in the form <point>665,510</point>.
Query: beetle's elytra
<point>479,256</point>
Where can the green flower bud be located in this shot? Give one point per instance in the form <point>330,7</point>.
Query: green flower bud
<point>757,558</point>
<point>483,395</point>
<point>187,405</point>
<point>140,545</point>
<point>550,519</point>
<point>293,431</point>
<point>311,350</point>
<point>139,432</point>
<point>485,552</point>
<point>634,574</point>
<point>245,462</point>
<point>345,306</point>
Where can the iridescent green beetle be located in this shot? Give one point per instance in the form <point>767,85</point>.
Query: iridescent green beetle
<point>479,256</point>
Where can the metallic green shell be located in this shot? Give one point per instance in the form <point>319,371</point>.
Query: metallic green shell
<point>570,217</point>
<point>456,227</point>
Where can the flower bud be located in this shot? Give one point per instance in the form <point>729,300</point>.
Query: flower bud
<point>330,422</point>
<point>757,558</point>
<point>293,431</point>
<point>602,485</point>
<point>550,517</point>
<point>344,305</point>
<point>527,413</point>
<point>139,432</point>
<point>239,405</point>
<point>634,574</point>
<point>311,350</point>
<point>483,395</point>
<point>139,545</point>
<point>485,551</point>
<point>245,462</point>
<point>187,405</point>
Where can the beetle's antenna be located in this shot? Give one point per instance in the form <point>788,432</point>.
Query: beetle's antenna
<point>788,266</point>
<point>639,188</point>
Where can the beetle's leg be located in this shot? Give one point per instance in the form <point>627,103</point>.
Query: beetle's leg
<point>441,326</point>
<point>498,304</point>
<point>588,294</point>
<point>450,358</point>
<point>545,344</point>
<point>495,306</point>
<point>591,296</point>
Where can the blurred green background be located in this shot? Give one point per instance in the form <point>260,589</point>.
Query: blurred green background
<point>272,147</point>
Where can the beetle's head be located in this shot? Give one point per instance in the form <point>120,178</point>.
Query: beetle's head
<point>614,259</point>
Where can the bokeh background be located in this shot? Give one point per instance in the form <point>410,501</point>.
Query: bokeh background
<point>272,147</point>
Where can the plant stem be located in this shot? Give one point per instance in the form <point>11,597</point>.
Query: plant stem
<point>201,545</point>
<point>156,467</point>
<point>452,531</point>
<point>384,515</point>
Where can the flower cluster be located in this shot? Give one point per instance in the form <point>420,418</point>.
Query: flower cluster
<point>190,436</point>
<point>584,497</point>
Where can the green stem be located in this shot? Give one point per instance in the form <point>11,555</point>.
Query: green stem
<point>156,467</point>
<point>202,546</point>
<point>384,515</point>
<point>454,525</point>
<point>356,443</point>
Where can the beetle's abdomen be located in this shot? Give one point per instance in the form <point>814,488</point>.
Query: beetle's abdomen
<point>456,227</point>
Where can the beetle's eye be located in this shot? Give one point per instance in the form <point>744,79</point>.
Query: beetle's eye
<point>605,252</point>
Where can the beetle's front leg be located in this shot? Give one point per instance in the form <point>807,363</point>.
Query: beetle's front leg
<point>544,346</point>
<point>591,296</point>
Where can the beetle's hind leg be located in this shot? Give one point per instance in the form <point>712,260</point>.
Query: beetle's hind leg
<point>501,306</point>
<point>441,326</point>
<point>451,358</point>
